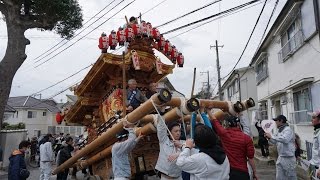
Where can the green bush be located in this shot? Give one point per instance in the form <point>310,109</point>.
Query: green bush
<point>7,126</point>
<point>4,124</point>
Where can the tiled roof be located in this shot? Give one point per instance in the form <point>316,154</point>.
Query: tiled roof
<point>30,103</point>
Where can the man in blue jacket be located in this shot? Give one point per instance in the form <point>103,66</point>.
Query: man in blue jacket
<point>17,166</point>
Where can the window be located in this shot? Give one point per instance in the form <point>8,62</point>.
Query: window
<point>302,105</point>
<point>261,69</point>
<point>291,40</point>
<point>263,111</point>
<point>229,92</point>
<point>32,114</point>
<point>17,115</point>
<point>44,113</point>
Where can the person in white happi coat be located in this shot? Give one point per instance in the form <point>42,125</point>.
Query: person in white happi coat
<point>170,148</point>
<point>211,163</point>
<point>46,157</point>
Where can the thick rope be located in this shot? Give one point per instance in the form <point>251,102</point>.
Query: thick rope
<point>155,107</point>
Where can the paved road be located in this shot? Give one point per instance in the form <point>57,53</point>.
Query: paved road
<point>265,172</point>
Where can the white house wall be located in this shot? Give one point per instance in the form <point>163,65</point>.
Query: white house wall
<point>303,63</point>
<point>39,123</point>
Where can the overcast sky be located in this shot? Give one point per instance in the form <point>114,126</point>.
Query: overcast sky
<point>232,31</point>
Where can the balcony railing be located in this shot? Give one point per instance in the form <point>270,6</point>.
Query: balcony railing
<point>262,75</point>
<point>300,117</point>
<point>291,46</point>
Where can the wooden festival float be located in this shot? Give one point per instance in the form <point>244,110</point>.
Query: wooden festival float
<point>100,100</point>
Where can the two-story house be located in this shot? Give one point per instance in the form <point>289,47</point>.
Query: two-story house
<point>8,112</point>
<point>287,66</point>
<point>35,113</point>
<point>239,86</point>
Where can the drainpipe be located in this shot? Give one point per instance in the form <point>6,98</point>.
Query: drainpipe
<point>237,73</point>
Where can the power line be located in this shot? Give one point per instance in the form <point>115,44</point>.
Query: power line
<point>84,35</point>
<point>272,13</point>
<point>264,32</point>
<point>191,12</point>
<point>154,7</point>
<point>265,2</point>
<point>63,79</point>
<point>52,96</point>
<point>80,31</point>
<point>234,12</point>
<point>212,16</point>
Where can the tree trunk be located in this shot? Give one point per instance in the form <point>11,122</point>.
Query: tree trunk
<point>13,59</point>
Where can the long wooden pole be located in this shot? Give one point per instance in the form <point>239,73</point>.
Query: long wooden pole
<point>124,85</point>
<point>145,108</point>
<point>193,82</point>
<point>149,128</point>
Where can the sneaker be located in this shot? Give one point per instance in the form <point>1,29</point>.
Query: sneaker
<point>268,157</point>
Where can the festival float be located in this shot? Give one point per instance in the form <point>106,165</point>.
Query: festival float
<point>101,100</point>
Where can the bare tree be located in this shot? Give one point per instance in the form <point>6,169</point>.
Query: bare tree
<point>62,16</point>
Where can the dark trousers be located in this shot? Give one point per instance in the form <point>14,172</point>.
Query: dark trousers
<point>264,146</point>
<point>185,176</point>
<point>238,175</point>
<point>63,175</point>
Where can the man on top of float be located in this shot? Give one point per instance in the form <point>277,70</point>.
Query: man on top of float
<point>134,96</point>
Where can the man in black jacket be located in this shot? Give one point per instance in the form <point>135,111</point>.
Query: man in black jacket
<point>63,156</point>
<point>263,142</point>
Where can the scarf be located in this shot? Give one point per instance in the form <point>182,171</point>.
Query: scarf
<point>281,128</point>
<point>216,153</point>
<point>316,127</point>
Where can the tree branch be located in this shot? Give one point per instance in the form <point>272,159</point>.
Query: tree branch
<point>30,22</point>
<point>3,9</point>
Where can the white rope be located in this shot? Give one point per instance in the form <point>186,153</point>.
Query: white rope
<point>182,118</point>
<point>155,107</point>
<point>130,123</point>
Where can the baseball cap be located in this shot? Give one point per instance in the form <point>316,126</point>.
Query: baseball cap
<point>280,117</point>
<point>315,113</point>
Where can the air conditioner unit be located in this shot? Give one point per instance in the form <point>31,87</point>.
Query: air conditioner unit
<point>283,99</point>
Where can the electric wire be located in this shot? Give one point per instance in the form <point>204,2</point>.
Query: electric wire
<point>258,19</point>
<point>51,49</point>
<point>83,36</point>
<point>191,12</point>
<point>212,16</point>
<point>264,32</point>
<point>153,7</point>
<point>81,31</point>
<point>234,12</point>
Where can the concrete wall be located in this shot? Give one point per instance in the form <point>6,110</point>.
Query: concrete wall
<point>9,141</point>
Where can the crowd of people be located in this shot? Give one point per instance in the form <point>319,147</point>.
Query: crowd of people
<point>207,150</point>
<point>51,150</point>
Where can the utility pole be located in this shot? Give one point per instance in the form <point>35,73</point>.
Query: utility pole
<point>218,69</point>
<point>208,84</point>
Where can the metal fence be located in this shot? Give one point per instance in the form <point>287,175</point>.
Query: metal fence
<point>72,130</point>
<point>291,46</point>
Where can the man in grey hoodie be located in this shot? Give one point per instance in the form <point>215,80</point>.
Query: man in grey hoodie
<point>284,139</point>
